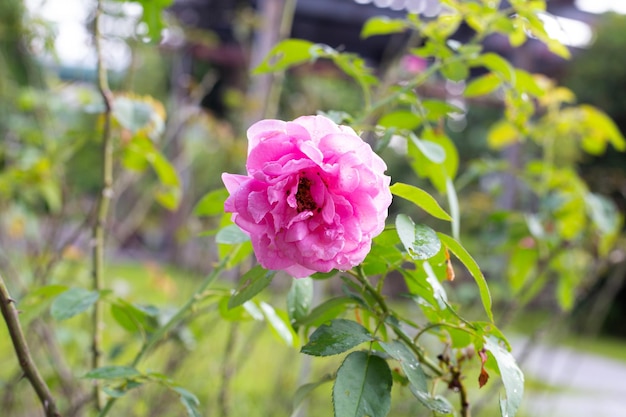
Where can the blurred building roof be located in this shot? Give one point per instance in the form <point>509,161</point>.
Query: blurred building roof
<point>338,23</point>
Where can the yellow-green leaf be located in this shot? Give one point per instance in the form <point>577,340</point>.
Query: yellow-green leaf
<point>421,198</point>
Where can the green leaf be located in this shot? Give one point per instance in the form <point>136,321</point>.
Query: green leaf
<point>382,25</point>
<point>420,241</point>
<point>132,318</point>
<point>142,149</point>
<point>401,119</point>
<point>512,376</point>
<point>326,311</point>
<point>455,71</point>
<point>497,65</point>
<point>502,134</point>
<point>279,324</point>
<point>435,172</point>
<point>482,85</point>
<point>286,54</point>
<point>362,387</point>
<point>436,109</point>
<point>212,204</point>
<point>354,66</point>
<point>526,83</point>
<point>231,235</point>
<point>409,363</point>
<point>603,213</point>
<point>72,302</point>
<point>453,203</point>
<point>306,389</point>
<point>189,401</point>
<point>132,113</point>
<point>459,251</point>
<point>153,16</point>
<point>112,372</point>
<point>299,299</point>
<point>420,198</point>
<point>431,150</point>
<point>417,379</point>
<point>436,289</point>
<point>521,267</point>
<point>600,129</point>
<point>252,282</point>
<point>336,337</point>
<point>437,403</point>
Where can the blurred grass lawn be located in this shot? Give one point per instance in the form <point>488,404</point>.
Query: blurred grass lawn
<point>265,373</point>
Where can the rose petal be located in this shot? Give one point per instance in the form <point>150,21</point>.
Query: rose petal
<point>348,188</point>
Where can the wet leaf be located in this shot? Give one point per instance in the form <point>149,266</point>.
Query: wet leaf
<point>420,241</point>
<point>336,337</point>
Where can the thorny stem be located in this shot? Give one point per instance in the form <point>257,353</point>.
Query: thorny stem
<point>22,351</point>
<point>106,193</point>
<point>176,319</point>
<point>380,300</point>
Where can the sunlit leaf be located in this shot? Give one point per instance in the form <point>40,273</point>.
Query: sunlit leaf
<point>286,54</point>
<point>497,65</point>
<point>437,109</point>
<point>526,83</point>
<point>382,25</point>
<point>421,198</point>
<point>600,129</point>
<point>152,16</point>
<point>401,119</point>
<point>482,85</point>
<point>502,134</point>
<point>455,71</point>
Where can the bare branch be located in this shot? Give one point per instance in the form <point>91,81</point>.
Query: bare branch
<point>10,314</point>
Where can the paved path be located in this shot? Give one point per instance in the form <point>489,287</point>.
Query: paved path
<point>589,385</point>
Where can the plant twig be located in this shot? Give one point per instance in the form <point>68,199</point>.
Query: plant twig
<point>22,351</point>
<point>176,319</point>
<point>106,193</point>
<point>360,276</point>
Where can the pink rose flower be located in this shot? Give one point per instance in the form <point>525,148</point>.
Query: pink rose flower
<point>314,197</point>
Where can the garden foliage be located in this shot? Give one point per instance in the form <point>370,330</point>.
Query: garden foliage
<point>312,206</point>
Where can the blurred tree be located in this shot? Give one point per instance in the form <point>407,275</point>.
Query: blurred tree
<point>598,76</point>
